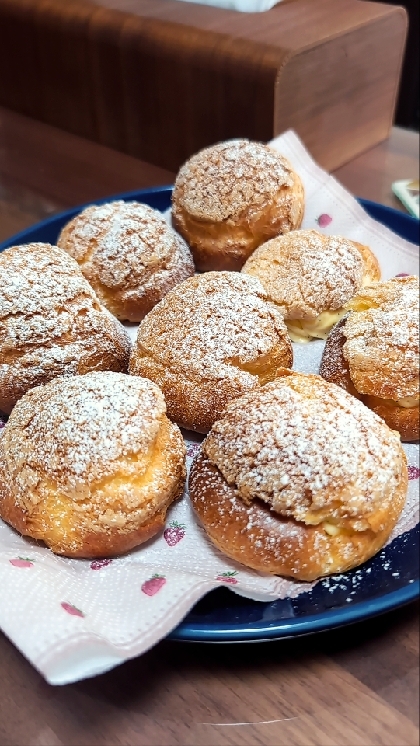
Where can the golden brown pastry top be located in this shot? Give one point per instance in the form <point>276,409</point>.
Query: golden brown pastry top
<point>49,313</point>
<point>80,433</point>
<point>126,247</point>
<point>310,451</point>
<point>306,273</point>
<point>110,234</point>
<point>382,339</point>
<point>224,180</point>
<point>213,326</point>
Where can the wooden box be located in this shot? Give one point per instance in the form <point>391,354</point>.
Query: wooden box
<point>160,79</point>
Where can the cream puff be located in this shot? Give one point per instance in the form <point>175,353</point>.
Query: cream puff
<point>51,322</point>
<point>311,277</point>
<point>231,197</point>
<point>129,254</point>
<point>374,352</point>
<point>211,339</point>
<point>299,479</point>
<point>89,464</point>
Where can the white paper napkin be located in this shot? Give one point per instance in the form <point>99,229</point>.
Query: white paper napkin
<point>74,618</point>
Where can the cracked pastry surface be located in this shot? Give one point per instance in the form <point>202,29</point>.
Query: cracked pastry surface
<point>374,352</point>
<point>311,277</point>
<point>89,464</point>
<point>51,322</point>
<point>231,197</point>
<point>211,339</point>
<point>300,479</point>
<point>129,254</point>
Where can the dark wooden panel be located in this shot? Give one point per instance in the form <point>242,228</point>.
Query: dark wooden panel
<point>63,53</point>
<point>44,170</point>
<point>19,65</point>
<point>408,107</point>
<point>159,79</point>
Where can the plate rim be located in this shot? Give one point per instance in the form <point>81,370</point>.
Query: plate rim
<point>134,194</point>
<point>71,211</point>
<point>189,631</point>
<point>294,627</point>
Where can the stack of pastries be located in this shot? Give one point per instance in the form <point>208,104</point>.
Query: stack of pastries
<point>299,475</point>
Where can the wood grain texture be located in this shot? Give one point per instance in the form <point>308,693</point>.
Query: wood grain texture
<point>44,170</point>
<point>396,158</point>
<point>407,112</point>
<point>356,686</point>
<point>160,79</point>
<point>352,687</point>
<point>343,105</point>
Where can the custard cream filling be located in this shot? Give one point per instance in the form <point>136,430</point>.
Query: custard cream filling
<point>331,529</point>
<point>408,402</point>
<point>368,281</point>
<point>303,330</point>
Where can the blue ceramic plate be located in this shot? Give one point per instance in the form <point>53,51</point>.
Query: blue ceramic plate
<point>388,580</point>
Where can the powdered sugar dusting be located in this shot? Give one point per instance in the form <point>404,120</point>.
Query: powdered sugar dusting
<point>127,250</point>
<point>115,231</point>
<point>306,273</point>
<point>382,342</point>
<point>309,450</point>
<point>220,182</point>
<point>51,322</point>
<point>211,325</point>
<point>97,419</point>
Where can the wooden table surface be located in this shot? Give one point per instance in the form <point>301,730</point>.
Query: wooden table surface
<point>356,686</point>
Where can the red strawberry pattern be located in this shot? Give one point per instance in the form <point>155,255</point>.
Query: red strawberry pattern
<point>228,577</point>
<point>72,610</point>
<point>97,564</point>
<point>153,585</point>
<point>413,472</point>
<point>192,449</point>
<point>174,533</point>
<point>21,562</point>
<point>324,220</point>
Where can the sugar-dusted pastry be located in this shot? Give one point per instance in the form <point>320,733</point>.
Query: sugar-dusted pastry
<point>311,277</point>
<point>210,340</point>
<point>89,464</point>
<point>299,479</point>
<point>374,352</point>
<point>129,254</point>
<point>231,197</point>
<point>51,322</point>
